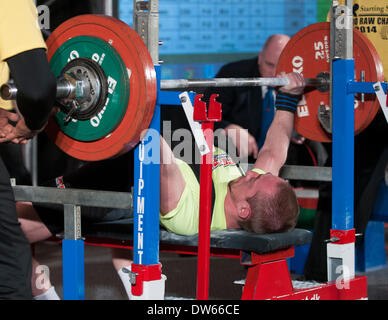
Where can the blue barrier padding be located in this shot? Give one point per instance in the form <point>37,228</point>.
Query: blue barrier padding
<point>298,261</point>
<point>370,254</point>
<point>73,269</point>
<point>380,209</point>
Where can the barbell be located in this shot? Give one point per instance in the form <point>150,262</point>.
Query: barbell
<point>107,87</point>
<point>66,89</point>
<point>112,47</point>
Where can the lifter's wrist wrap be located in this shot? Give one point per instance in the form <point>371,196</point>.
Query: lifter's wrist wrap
<point>286,101</point>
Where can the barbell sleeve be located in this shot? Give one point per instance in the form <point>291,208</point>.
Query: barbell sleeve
<point>65,89</point>
<point>8,91</point>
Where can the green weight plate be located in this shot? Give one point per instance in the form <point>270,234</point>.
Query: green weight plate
<point>117,77</point>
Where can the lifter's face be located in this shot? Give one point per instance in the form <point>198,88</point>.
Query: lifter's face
<point>267,64</point>
<point>246,187</point>
<point>269,57</point>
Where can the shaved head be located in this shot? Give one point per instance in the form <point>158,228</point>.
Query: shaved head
<point>269,56</point>
<point>276,41</point>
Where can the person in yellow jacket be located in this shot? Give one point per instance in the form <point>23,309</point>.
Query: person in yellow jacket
<point>23,58</point>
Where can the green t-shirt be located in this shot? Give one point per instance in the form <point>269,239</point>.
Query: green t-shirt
<point>224,171</point>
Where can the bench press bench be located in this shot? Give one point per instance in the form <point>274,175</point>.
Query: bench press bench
<point>265,255</point>
<point>238,240</point>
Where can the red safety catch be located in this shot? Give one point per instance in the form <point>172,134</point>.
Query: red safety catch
<point>199,113</point>
<point>215,109</point>
<point>212,114</point>
<point>145,273</point>
<point>343,236</point>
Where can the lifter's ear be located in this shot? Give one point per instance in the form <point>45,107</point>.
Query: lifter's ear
<point>244,210</point>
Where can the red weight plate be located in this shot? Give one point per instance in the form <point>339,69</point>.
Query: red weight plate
<point>308,52</point>
<point>143,86</point>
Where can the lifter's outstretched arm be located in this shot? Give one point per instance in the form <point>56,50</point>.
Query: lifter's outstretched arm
<point>273,154</point>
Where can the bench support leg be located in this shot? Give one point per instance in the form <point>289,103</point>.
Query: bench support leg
<point>268,274</point>
<point>268,277</point>
<point>267,280</point>
<point>341,255</point>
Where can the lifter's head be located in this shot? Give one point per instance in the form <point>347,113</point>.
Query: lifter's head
<point>264,203</point>
<point>269,56</point>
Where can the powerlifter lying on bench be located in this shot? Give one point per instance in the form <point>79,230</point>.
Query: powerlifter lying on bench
<point>258,201</point>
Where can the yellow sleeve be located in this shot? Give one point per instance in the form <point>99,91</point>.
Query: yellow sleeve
<point>19,29</point>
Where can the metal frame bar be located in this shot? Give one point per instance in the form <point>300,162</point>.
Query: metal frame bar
<point>73,245</point>
<point>146,194</point>
<point>343,146</point>
<point>341,249</point>
<point>146,24</point>
<point>81,197</point>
